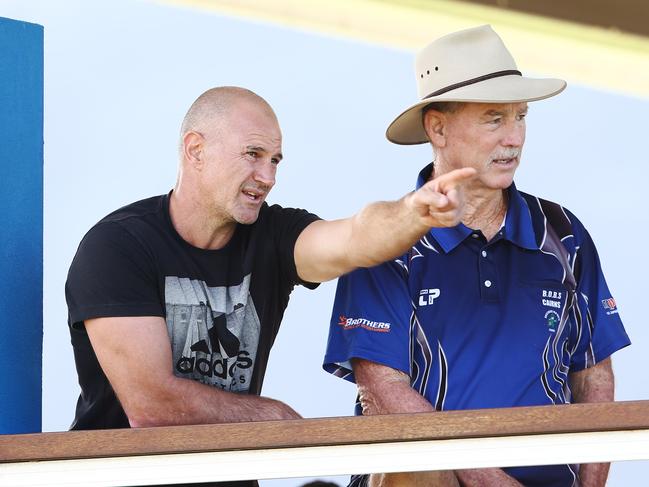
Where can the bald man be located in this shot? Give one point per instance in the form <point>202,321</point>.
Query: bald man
<point>174,301</point>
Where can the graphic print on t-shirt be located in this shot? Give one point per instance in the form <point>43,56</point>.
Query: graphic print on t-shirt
<point>214,332</point>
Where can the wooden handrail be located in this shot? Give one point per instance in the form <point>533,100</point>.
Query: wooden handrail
<point>575,418</point>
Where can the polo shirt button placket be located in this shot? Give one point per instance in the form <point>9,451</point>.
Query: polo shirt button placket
<point>487,273</point>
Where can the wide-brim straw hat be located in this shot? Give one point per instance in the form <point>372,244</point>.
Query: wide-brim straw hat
<point>471,65</point>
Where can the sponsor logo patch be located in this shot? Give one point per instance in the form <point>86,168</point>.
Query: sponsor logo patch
<point>351,323</point>
<point>609,306</point>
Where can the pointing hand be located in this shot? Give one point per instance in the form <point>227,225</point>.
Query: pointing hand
<point>440,202</point>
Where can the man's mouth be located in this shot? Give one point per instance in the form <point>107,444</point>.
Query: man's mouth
<point>505,161</point>
<point>253,194</point>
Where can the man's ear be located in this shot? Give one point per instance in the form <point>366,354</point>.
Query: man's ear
<point>435,127</point>
<point>193,145</point>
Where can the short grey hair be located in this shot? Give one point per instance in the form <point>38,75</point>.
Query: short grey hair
<point>442,107</point>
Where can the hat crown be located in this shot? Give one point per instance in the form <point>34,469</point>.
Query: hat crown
<point>470,66</point>
<point>459,57</point>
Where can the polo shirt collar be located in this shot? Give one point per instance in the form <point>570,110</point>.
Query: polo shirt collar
<point>518,222</point>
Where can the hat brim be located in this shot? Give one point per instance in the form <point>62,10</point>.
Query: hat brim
<point>408,129</point>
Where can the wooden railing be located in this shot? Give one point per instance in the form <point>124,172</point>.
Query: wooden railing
<point>578,433</point>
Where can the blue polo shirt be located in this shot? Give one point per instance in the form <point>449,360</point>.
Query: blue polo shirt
<point>480,324</point>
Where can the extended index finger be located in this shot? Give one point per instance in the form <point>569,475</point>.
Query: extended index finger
<point>451,180</point>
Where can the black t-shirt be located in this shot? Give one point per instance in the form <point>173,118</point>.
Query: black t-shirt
<point>223,307</point>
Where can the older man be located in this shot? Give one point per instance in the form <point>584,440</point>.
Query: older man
<point>508,308</point>
<point>174,301</point>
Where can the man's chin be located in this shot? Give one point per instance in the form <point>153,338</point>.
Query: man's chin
<point>501,182</point>
<point>247,218</point>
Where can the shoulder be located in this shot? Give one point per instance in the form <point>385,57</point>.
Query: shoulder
<point>137,211</point>
<point>120,229</point>
<point>278,212</point>
<point>284,222</point>
<point>376,279</point>
<point>546,212</point>
<point>115,256</point>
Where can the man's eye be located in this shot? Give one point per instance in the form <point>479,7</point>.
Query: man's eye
<point>495,121</point>
<point>521,116</point>
<point>252,154</point>
<point>275,160</point>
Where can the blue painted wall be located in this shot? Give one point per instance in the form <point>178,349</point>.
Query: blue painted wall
<point>21,225</point>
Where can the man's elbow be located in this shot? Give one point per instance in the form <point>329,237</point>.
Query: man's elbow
<point>138,423</point>
<point>136,420</point>
<point>153,413</point>
<point>155,407</point>
<point>143,417</point>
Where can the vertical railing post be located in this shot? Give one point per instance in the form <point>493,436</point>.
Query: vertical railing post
<point>21,226</point>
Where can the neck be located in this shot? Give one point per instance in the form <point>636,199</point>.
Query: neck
<point>196,224</point>
<point>485,211</point>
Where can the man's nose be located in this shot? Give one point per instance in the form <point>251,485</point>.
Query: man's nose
<point>265,173</point>
<point>515,136</point>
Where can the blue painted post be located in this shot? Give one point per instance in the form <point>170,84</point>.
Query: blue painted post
<point>21,226</point>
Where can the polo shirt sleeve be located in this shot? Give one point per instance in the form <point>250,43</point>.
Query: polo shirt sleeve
<point>599,331</point>
<point>370,320</point>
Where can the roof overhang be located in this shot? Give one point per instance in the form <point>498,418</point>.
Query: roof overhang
<point>587,55</point>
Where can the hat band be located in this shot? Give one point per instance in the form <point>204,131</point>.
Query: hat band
<point>497,74</point>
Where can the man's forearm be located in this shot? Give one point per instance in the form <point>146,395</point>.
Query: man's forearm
<point>486,477</point>
<point>150,394</point>
<point>595,384</point>
<point>385,230</point>
<point>386,391</point>
<point>414,479</point>
<point>184,401</point>
<point>383,390</point>
<point>382,231</point>
<point>593,474</point>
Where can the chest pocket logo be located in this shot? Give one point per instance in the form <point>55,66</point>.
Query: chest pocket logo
<point>552,318</point>
<point>428,296</point>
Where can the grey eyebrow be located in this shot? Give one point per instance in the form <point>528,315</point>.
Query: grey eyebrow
<point>500,113</point>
